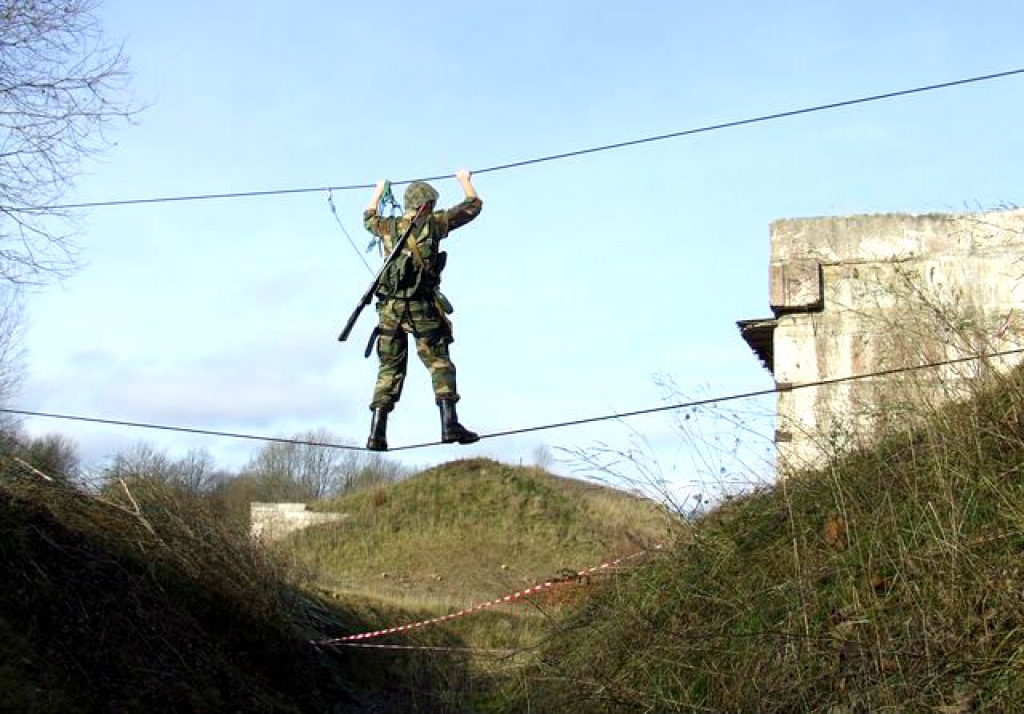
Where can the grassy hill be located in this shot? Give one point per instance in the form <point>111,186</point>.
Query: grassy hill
<point>891,581</point>
<point>473,529</point>
<point>143,599</point>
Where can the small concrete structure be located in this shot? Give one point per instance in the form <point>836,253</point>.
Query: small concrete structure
<point>863,294</point>
<point>272,521</point>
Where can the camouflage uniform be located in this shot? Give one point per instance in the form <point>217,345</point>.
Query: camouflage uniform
<point>408,302</point>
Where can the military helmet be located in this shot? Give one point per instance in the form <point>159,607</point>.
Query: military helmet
<point>418,193</point>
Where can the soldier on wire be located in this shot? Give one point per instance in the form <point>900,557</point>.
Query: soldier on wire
<point>409,301</point>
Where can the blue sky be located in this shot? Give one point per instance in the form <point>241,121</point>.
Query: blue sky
<point>581,281</point>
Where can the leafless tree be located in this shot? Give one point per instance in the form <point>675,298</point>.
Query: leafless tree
<point>306,471</point>
<point>365,469</point>
<point>196,471</point>
<point>61,84</point>
<point>542,457</point>
<point>11,361</point>
<point>142,461</point>
<point>55,455</point>
<point>11,366</point>
<point>299,470</point>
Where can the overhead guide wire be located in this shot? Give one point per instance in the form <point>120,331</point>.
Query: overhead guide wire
<point>541,159</point>
<point>502,167</point>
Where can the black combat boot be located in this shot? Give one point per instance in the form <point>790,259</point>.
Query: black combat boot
<point>451,429</point>
<point>378,440</point>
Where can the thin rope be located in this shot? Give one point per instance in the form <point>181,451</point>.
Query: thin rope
<point>541,159</point>
<point>729,398</point>
<point>334,212</point>
<point>524,430</point>
<point>184,429</point>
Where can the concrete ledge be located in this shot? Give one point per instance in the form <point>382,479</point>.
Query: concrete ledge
<point>796,286</point>
<point>273,521</point>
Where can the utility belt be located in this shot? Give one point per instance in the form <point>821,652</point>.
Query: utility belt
<point>444,332</point>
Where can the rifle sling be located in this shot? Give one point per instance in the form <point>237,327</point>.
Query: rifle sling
<point>440,301</point>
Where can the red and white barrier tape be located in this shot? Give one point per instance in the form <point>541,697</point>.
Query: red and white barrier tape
<point>428,648</point>
<point>484,605</point>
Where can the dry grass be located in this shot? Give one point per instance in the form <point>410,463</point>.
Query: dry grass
<point>891,581</point>
<point>458,535</point>
<point>142,602</point>
<point>471,530</point>
<point>142,597</point>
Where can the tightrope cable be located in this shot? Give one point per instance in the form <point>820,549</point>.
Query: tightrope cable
<point>184,429</point>
<point>732,397</point>
<point>528,429</point>
<point>541,159</point>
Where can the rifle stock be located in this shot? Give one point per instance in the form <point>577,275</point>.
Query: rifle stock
<point>347,329</point>
<point>368,295</point>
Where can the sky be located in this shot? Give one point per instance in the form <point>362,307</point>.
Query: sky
<point>585,285</point>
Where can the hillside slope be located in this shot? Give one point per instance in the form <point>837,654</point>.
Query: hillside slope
<point>474,528</point>
<point>105,610</point>
<point>143,600</point>
<point>891,581</point>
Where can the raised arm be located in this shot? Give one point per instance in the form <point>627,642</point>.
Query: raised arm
<point>462,213</point>
<point>377,193</point>
<point>371,221</point>
<point>465,179</point>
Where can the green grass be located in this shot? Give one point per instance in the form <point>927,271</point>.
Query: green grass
<point>471,530</point>
<point>456,535</point>
<point>891,581</point>
<point>144,599</point>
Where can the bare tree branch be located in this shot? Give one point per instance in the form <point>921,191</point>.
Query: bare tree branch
<point>61,85</point>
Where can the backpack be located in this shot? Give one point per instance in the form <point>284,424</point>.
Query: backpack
<point>416,272</point>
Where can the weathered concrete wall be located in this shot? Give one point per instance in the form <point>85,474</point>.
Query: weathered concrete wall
<point>271,521</point>
<point>862,294</point>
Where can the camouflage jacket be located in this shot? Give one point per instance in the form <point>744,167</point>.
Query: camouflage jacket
<point>407,277</point>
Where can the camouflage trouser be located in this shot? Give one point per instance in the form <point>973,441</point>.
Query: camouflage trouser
<point>422,319</point>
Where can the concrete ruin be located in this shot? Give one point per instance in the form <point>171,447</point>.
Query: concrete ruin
<point>272,521</point>
<point>863,294</point>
